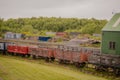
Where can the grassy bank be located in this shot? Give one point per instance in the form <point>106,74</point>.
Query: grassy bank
<point>12,68</point>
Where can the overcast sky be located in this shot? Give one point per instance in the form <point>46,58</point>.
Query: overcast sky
<point>100,9</point>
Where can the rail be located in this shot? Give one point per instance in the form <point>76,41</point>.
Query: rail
<point>38,43</point>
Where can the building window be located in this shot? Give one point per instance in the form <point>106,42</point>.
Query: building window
<point>112,45</point>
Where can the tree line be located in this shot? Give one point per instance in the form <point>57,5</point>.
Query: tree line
<point>41,25</point>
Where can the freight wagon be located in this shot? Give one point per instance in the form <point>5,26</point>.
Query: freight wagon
<point>3,47</point>
<point>42,52</point>
<point>18,49</point>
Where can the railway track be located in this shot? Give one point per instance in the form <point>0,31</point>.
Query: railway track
<point>29,42</point>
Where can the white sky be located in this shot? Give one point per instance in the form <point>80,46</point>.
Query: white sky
<point>100,9</point>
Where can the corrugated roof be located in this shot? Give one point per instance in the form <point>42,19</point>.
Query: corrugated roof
<point>113,24</point>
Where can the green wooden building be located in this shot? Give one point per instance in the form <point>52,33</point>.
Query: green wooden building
<point>111,36</point>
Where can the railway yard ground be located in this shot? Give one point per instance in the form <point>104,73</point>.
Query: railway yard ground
<point>18,68</point>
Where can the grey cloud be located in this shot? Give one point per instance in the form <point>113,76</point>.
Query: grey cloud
<point>100,9</point>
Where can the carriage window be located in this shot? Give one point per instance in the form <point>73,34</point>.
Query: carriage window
<point>112,45</point>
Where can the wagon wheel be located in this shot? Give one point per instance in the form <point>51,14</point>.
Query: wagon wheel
<point>52,58</point>
<point>23,55</point>
<point>34,56</point>
<point>101,68</point>
<point>12,54</point>
<point>47,59</point>
<point>28,55</point>
<point>60,61</point>
<point>116,72</point>
<point>76,64</point>
<point>81,65</point>
<point>4,52</point>
<point>97,67</point>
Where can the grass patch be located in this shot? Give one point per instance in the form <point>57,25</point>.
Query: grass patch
<point>16,68</point>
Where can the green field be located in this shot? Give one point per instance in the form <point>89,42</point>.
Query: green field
<point>12,68</point>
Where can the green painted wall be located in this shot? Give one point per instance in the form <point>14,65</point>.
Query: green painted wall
<point>108,36</point>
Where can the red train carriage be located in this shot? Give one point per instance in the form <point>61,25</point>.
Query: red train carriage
<point>68,56</point>
<point>17,49</point>
<point>10,48</point>
<point>58,54</point>
<point>32,50</point>
<point>84,53</point>
<point>48,53</point>
<point>22,49</point>
<point>75,56</point>
<point>42,52</point>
